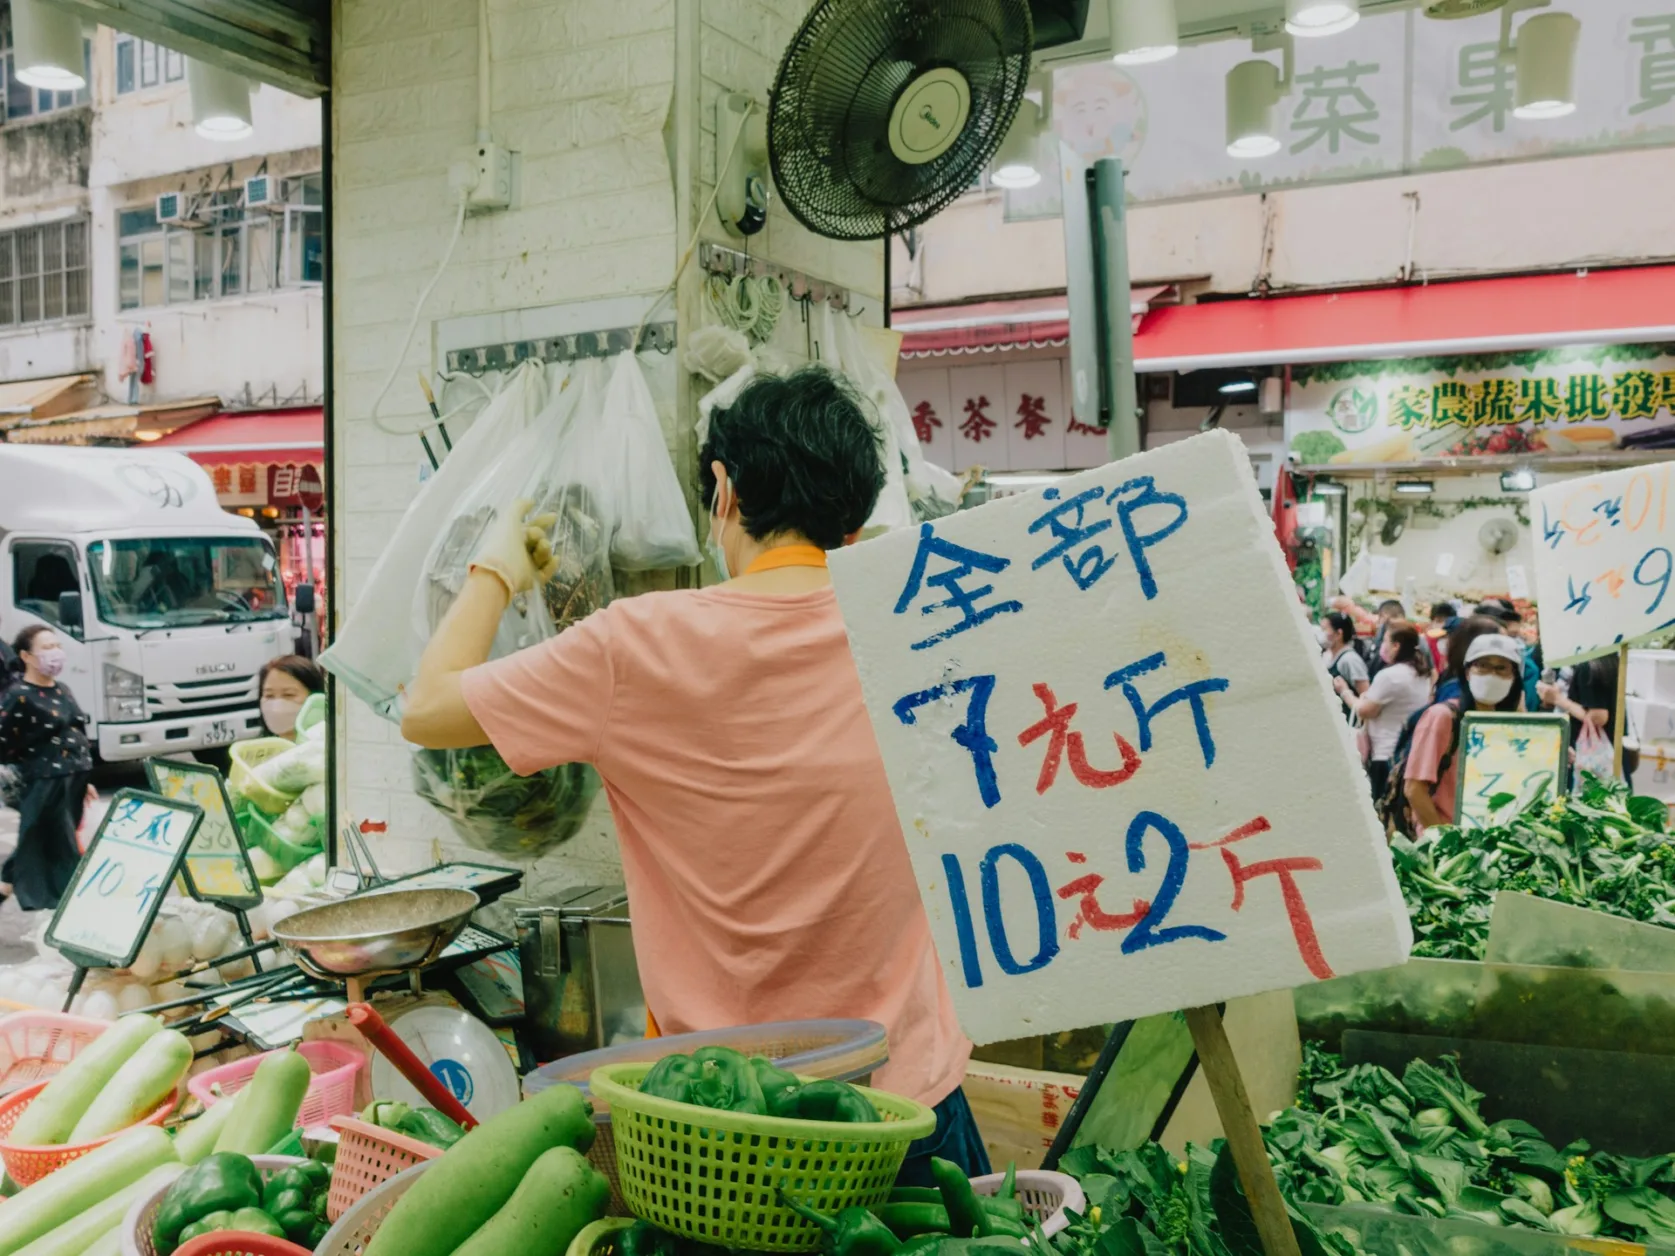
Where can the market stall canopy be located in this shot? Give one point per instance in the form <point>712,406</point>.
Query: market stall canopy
<point>280,42</point>
<point>1630,306</point>
<point>266,436</point>
<point>26,399</point>
<point>113,422</point>
<point>1022,323</point>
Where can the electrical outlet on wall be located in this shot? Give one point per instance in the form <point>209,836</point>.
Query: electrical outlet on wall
<point>493,187</point>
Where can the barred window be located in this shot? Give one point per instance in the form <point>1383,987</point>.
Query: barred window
<point>43,273</point>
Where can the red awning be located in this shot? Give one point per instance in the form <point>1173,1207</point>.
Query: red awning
<point>1032,322</point>
<point>264,436</point>
<point>1634,306</point>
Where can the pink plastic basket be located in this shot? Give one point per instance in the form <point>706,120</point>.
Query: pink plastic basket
<point>331,1093</point>
<point>35,1045</point>
<point>367,1157</point>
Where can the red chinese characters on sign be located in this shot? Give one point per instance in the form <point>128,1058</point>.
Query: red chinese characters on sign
<point>296,486</point>
<point>223,478</point>
<point>925,422</point>
<point>1089,912</point>
<point>1033,420</point>
<point>977,425</point>
<point>1283,870</point>
<point>1061,740</point>
<point>247,480</point>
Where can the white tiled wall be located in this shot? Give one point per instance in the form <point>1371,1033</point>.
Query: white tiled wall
<point>596,99</point>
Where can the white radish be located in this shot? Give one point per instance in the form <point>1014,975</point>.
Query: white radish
<point>133,996</point>
<point>100,1005</point>
<point>176,942</point>
<point>149,962</point>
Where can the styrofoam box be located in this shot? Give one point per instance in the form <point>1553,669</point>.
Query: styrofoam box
<point>1651,675</point>
<point>1651,720</point>
<point>1655,777</point>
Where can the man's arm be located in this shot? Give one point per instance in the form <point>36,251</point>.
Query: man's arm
<point>435,715</point>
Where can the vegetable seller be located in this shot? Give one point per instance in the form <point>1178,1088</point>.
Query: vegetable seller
<point>764,860</point>
<point>41,735</point>
<point>285,683</point>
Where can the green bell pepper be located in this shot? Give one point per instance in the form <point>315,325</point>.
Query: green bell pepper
<point>773,1080</point>
<point>853,1232</point>
<point>244,1220</point>
<point>430,1126</point>
<point>305,1178</point>
<point>711,1077</point>
<point>223,1182</point>
<point>826,1101</point>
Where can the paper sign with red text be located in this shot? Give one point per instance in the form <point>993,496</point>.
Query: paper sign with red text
<point>1123,780</point>
<point>1604,561</point>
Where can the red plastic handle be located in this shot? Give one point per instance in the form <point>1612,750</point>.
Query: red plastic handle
<point>384,1040</point>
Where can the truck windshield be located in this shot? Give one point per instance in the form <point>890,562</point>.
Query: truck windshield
<point>177,582</point>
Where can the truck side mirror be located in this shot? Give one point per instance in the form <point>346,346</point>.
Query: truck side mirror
<point>303,599</point>
<point>69,612</point>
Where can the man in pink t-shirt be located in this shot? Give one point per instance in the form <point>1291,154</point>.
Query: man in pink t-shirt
<point>765,864</point>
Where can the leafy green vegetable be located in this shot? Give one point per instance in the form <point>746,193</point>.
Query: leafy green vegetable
<point>493,808</point>
<point>1314,448</point>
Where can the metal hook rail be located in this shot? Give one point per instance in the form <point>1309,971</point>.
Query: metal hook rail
<point>717,259</point>
<point>571,348</point>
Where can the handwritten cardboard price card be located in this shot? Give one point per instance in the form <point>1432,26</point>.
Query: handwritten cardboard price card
<point>1515,756</point>
<point>1604,561</point>
<point>218,868</point>
<point>1124,783</point>
<point>121,880</point>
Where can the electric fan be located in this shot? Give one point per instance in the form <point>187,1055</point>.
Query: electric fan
<point>884,111</point>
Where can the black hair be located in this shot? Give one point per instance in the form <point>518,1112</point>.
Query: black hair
<point>306,672</point>
<point>1444,610</point>
<point>1342,624</point>
<point>1405,637</point>
<point>1391,604</point>
<point>803,456</point>
<point>25,640</point>
<point>1460,639</point>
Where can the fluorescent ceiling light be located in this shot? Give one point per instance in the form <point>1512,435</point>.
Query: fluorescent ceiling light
<point>48,46</point>
<point>1546,81</point>
<point>1521,481</point>
<point>1143,31</point>
<point>1253,92</point>
<point>1329,488</point>
<point>1415,488</point>
<point>1235,386</point>
<point>1309,18</point>
<point>1015,164</point>
<point>220,101</point>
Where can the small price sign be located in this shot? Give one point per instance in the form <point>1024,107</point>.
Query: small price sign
<point>109,908</point>
<point>1520,755</point>
<point>218,868</point>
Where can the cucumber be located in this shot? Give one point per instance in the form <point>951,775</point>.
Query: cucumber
<point>151,1074</point>
<point>457,1194</point>
<point>79,1185</point>
<point>561,1194</point>
<point>53,1113</point>
<point>268,1105</point>
<point>75,1235</point>
<point>198,1137</point>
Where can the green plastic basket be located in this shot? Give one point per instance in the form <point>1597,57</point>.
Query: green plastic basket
<point>713,1176</point>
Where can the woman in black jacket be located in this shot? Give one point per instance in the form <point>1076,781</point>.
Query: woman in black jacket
<point>41,735</point>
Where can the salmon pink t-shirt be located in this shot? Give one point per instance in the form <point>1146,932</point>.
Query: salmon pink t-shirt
<point>765,865</point>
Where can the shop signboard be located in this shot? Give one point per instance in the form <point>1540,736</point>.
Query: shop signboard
<point>1124,784</point>
<point>1516,755</point>
<point>1561,402</point>
<point>292,486</point>
<point>1368,102</point>
<point>1604,561</point>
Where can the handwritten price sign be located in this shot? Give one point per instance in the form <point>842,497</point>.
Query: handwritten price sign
<point>218,868</point>
<point>1521,755</point>
<point>121,880</point>
<point>1604,561</point>
<point>1123,781</point>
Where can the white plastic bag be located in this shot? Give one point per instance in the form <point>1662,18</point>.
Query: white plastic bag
<point>653,524</point>
<point>375,652</point>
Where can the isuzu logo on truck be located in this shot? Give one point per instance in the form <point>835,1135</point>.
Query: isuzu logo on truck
<point>215,669</point>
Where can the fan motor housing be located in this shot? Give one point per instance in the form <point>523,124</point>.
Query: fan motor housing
<point>1058,21</point>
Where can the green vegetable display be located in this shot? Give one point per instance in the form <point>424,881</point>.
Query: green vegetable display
<point>560,1195</point>
<point>220,1183</point>
<point>268,1105</point>
<point>1600,849</point>
<point>246,1220</point>
<point>82,1184</point>
<point>722,1078</point>
<point>146,1078</point>
<point>825,1101</point>
<point>853,1232</point>
<point>53,1113</point>
<point>425,1124</point>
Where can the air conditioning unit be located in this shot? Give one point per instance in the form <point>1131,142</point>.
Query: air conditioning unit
<point>175,208</point>
<point>263,191</point>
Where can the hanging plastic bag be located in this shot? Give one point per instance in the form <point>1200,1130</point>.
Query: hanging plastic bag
<point>554,463</point>
<point>375,653</point>
<point>1594,754</point>
<point>653,523</point>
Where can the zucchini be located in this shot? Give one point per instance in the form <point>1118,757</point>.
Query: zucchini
<point>197,1138</point>
<point>455,1196</point>
<point>151,1074</point>
<point>560,1195</point>
<point>79,1185</point>
<point>53,1113</point>
<point>268,1105</point>
<point>75,1235</point>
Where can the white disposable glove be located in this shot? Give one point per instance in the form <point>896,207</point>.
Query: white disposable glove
<point>518,550</point>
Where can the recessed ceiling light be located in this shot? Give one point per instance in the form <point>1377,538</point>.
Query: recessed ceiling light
<point>1233,387</point>
<point>1253,92</point>
<point>1016,164</point>
<point>1546,79</point>
<point>47,46</point>
<point>1415,488</point>
<point>1313,18</point>
<point>1143,31</point>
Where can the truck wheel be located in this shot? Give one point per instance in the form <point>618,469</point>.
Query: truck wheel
<point>217,757</point>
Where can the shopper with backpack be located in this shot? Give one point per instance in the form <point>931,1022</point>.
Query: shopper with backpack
<point>1401,689</point>
<point>1492,668</point>
<point>1342,656</point>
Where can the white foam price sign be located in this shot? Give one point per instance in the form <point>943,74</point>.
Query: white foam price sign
<point>121,880</point>
<point>218,868</point>
<point>1516,754</point>
<point>1604,561</point>
<point>1123,781</point>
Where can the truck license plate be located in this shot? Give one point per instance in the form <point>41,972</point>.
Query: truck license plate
<point>220,734</point>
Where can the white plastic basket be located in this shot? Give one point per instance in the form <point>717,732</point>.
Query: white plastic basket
<point>1046,1197</point>
<point>352,1231</point>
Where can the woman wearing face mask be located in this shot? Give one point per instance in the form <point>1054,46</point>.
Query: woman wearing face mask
<point>1492,667</point>
<point>41,735</point>
<point>1402,686</point>
<point>286,683</point>
<point>764,860</point>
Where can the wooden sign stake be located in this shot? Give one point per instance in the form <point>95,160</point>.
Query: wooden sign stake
<point>1244,1137</point>
<point>1622,704</point>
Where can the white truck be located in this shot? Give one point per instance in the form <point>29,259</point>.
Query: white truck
<point>167,605</point>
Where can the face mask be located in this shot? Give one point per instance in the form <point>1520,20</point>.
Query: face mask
<point>717,552</point>
<point>1320,637</point>
<point>280,715</point>
<point>1489,688</point>
<point>50,662</point>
